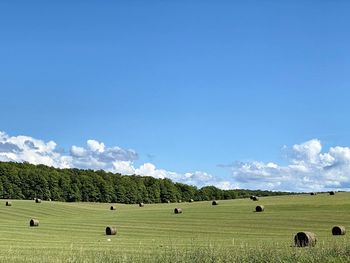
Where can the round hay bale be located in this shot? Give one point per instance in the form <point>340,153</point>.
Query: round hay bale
<point>331,193</point>
<point>255,198</point>
<point>113,208</point>
<point>313,193</point>
<point>259,208</point>
<point>8,203</point>
<point>215,202</point>
<point>178,211</point>
<point>305,239</point>
<point>141,204</point>
<point>111,230</point>
<point>191,200</point>
<point>338,231</point>
<point>251,197</point>
<point>34,222</point>
<point>37,200</point>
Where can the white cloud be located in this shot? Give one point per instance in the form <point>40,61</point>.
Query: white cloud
<point>123,167</point>
<point>78,151</point>
<point>96,146</point>
<point>28,149</point>
<point>97,156</point>
<point>150,169</point>
<point>308,170</point>
<point>308,152</point>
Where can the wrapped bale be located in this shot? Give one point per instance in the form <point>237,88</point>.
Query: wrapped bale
<point>305,239</point>
<point>338,231</point>
<point>111,230</point>
<point>178,211</point>
<point>34,222</point>
<point>259,208</point>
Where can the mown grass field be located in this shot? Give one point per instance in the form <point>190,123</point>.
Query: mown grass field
<point>75,232</point>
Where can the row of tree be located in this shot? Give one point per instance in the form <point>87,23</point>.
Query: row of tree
<point>27,181</point>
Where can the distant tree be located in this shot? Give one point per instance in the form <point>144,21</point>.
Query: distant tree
<point>26,181</point>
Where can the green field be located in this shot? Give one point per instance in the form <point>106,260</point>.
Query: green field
<point>75,232</point>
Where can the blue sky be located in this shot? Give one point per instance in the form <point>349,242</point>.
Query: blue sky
<point>190,86</point>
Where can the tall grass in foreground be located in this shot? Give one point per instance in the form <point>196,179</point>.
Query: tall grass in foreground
<point>335,253</point>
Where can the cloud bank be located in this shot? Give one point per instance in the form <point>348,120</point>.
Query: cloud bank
<point>308,168</point>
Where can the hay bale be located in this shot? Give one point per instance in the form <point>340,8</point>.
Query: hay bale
<point>252,197</point>
<point>215,202</point>
<point>305,239</point>
<point>141,204</point>
<point>313,193</point>
<point>331,193</point>
<point>338,231</point>
<point>113,207</point>
<point>259,208</point>
<point>178,211</point>
<point>34,222</point>
<point>111,230</point>
<point>191,200</point>
<point>179,201</point>
<point>255,198</point>
<point>8,203</point>
<point>37,200</point>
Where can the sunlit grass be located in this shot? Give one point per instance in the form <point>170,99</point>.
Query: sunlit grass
<point>229,232</point>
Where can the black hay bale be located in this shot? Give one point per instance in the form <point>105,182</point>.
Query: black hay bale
<point>215,202</point>
<point>338,230</point>
<point>34,222</point>
<point>331,193</point>
<point>111,230</point>
<point>8,203</point>
<point>113,207</point>
<point>178,211</point>
<point>37,200</point>
<point>259,208</point>
<point>191,200</point>
<point>141,204</point>
<point>305,239</point>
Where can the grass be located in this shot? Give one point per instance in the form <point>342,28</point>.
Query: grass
<point>228,232</point>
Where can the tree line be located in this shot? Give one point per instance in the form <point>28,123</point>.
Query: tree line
<point>28,181</point>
